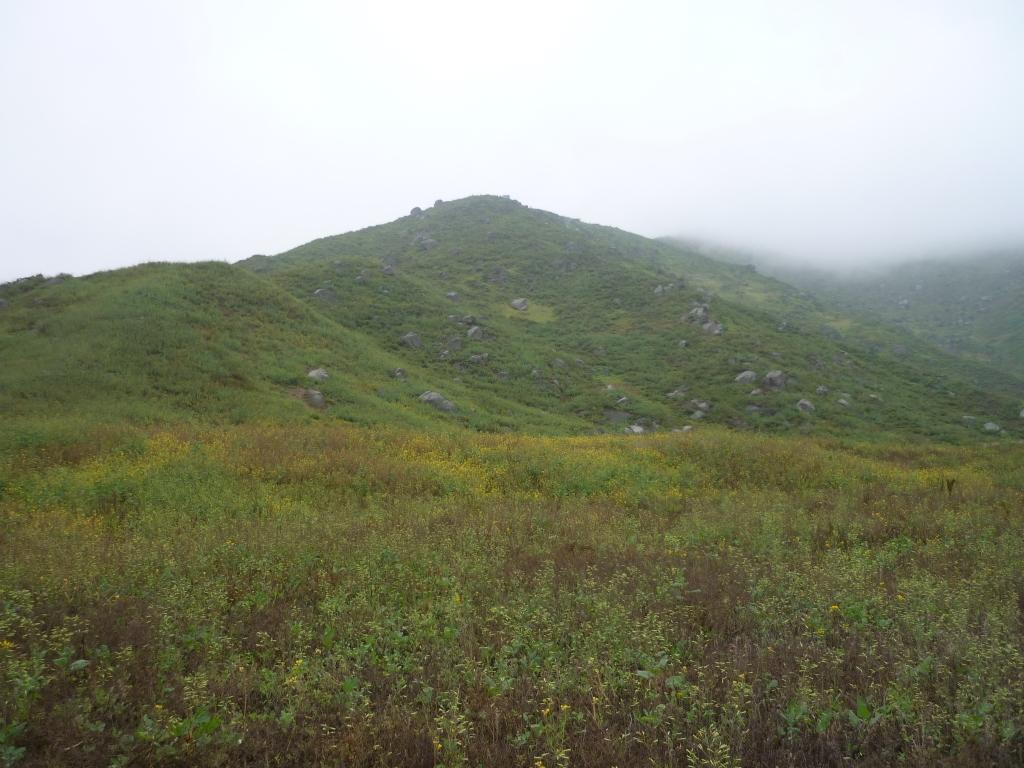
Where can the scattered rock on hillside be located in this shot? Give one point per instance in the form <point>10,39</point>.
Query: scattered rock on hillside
<point>821,389</point>
<point>701,405</point>
<point>844,402</point>
<point>634,429</point>
<point>424,242</point>
<point>713,327</point>
<point>773,380</point>
<point>475,333</point>
<point>314,398</point>
<point>676,393</point>
<point>746,377</point>
<point>412,339</point>
<point>805,405</point>
<point>325,294</point>
<point>318,374</point>
<point>452,295</point>
<point>700,314</point>
<point>991,426</point>
<point>454,343</point>
<point>388,270</point>
<point>519,304</point>
<point>478,359</point>
<point>683,343</point>
<point>398,373</point>
<point>438,401</point>
<point>756,392</point>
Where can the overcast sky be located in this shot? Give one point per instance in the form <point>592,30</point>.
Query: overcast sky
<point>835,131</point>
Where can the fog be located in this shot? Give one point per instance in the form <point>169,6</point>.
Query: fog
<point>838,133</point>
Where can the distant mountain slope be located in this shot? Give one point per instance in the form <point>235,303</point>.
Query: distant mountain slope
<point>970,306</point>
<point>619,333</point>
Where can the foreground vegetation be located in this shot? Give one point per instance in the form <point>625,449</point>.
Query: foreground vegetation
<point>325,595</point>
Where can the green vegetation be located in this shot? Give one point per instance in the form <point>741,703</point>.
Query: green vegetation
<point>325,595</point>
<point>200,568</point>
<point>970,306</point>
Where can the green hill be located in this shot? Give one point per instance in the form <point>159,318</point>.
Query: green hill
<point>972,306</point>
<point>612,338</point>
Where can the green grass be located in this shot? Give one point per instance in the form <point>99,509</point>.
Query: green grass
<point>320,595</point>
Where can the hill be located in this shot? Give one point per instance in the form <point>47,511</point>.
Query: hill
<point>970,305</point>
<point>618,332</point>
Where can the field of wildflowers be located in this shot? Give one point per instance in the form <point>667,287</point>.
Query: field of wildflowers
<point>348,596</point>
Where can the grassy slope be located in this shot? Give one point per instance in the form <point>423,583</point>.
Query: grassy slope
<point>594,309</point>
<point>969,306</point>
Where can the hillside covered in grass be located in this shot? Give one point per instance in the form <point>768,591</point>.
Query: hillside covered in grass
<point>971,306</point>
<point>613,332</point>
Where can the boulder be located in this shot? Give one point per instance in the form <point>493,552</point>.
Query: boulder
<point>634,429</point>
<point>475,333</point>
<point>317,374</point>
<point>805,405</point>
<point>324,294</point>
<point>700,314</point>
<point>519,304</point>
<point>417,211</point>
<point>746,377</point>
<point>314,398</point>
<point>773,380</point>
<point>991,426</point>
<point>438,401</point>
<point>412,339</point>
<point>713,327</point>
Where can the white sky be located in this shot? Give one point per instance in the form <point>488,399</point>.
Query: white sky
<point>834,131</point>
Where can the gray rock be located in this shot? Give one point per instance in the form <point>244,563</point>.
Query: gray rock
<point>676,393</point>
<point>314,398</point>
<point>991,426</point>
<point>318,374</point>
<point>622,400</point>
<point>746,377</point>
<point>844,402</point>
<point>519,304</point>
<point>683,343</point>
<point>424,242</point>
<point>713,327</point>
<point>821,389</point>
<point>467,320</point>
<point>805,405</point>
<point>558,363</point>
<point>412,339</point>
<point>756,392</point>
<point>417,211</point>
<point>454,343</point>
<point>388,270</point>
<point>698,414</point>
<point>324,294</point>
<point>700,314</point>
<point>773,380</point>
<point>437,401</point>
<point>398,373</point>
<point>452,295</point>
<point>701,405</point>
<point>475,333</point>
<point>478,359</point>
<point>634,429</point>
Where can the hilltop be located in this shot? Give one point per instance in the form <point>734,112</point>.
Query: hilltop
<point>615,332</point>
